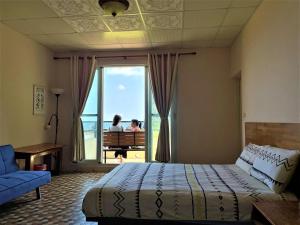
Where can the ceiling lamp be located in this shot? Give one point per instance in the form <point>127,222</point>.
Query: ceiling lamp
<point>114,7</point>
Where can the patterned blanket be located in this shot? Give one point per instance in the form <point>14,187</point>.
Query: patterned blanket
<point>177,192</point>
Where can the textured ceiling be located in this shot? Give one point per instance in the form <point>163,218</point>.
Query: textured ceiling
<point>81,24</point>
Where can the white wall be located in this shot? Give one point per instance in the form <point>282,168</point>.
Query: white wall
<point>23,63</point>
<point>208,128</point>
<point>236,57</point>
<point>269,48</point>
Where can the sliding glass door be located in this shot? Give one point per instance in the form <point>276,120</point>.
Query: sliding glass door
<point>123,90</point>
<point>124,95</point>
<point>91,119</point>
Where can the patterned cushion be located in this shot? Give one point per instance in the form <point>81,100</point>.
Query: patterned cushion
<point>247,157</point>
<point>275,167</point>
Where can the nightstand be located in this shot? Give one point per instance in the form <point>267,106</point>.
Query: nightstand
<point>276,213</point>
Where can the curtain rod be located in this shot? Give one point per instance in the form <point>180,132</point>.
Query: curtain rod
<point>122,56</point>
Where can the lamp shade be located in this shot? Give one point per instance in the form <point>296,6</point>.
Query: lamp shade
<point>57,91</point>
<point>114,7</point>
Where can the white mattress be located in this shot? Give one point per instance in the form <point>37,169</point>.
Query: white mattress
<point>177,192</point>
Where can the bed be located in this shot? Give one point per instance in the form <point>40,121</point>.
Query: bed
<point>144,193</point>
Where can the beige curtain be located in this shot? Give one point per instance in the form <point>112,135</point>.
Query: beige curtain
<point>163,71</point>
<point>82,75</point>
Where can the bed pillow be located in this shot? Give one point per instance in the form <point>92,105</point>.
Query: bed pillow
<point>246,159</point>
<point>275,167</point>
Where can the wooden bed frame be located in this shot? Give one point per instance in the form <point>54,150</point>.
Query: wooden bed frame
<point>283,135</point>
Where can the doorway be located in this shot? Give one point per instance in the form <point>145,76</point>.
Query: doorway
<point>124,91</point>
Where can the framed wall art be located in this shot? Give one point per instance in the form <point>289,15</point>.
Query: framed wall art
<point>39,95</point>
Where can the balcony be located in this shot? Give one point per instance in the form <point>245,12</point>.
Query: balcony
<point>90,138</point>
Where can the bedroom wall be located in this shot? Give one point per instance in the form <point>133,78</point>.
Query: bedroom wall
<point>236,57</point>
<point>23,63</point>
<point>269,49</point>
<point>208,128</point>
<point>207,112</point>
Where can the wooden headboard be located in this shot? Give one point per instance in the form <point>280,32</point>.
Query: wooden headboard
<point>282,135</point>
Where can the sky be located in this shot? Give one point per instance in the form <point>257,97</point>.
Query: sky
<point>123,93</point>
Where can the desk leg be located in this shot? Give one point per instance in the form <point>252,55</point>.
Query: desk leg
<point>29,161</point>
<point>58,162</point>
<point>48,161</point>
<point>105,157</point>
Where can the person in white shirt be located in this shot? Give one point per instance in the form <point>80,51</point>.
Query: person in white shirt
<point>116,125</point>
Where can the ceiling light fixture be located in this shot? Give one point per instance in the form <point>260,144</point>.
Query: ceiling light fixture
<point>114,7</point>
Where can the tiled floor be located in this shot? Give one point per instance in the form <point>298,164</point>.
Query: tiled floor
<point>60,203</point>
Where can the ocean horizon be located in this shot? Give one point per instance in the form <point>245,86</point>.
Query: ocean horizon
<point>92,125</point>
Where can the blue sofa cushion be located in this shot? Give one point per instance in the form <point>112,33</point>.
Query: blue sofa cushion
<point>20,182</point>
<point>7,160</point>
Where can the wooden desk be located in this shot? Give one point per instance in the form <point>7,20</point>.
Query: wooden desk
<point>276,213</point>
<point>29,153</point>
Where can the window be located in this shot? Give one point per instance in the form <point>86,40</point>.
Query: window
<point>124,94</point>
<point>120,90</point>
<point>155,127</point>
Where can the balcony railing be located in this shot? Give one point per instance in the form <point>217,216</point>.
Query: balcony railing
<point>90,127</point>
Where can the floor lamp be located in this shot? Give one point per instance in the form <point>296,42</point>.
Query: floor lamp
<point>57,92</point>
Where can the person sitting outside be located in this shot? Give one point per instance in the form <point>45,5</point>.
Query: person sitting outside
<point>135,125</point>
<point>117,127</point>
<point>116,124</point>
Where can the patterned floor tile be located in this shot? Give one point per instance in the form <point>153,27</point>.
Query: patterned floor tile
<point>60,203</point>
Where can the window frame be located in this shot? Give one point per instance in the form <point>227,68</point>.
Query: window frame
<point>148,116</point>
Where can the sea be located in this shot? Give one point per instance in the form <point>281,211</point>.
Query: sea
<point>92,125</point>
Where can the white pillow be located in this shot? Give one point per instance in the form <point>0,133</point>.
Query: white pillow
<point>275,167</point>
<point>246,159</point>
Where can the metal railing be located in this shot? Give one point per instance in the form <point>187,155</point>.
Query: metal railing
<point>92,125</point>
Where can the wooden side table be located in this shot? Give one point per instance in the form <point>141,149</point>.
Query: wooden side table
<point>29,153</point>
<point>276,213</point>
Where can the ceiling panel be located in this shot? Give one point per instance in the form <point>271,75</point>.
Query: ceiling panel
<point>204,18</point>
<point>61,42</point>
<point>160,5</point>
<point>40,26</point>
<point>163,21</point>
<point>228,32</point>
<point>79,24</point>
<point>86,24</point>
<point>132,37</point>
<point>195,5</point>
<point>98,38</point>
<point>72,7</point>
<point>245,3</point>
<point>199,34</point>
<point>124,23</point>
<point>24,10</point>
<point>170,36</point>
<point>64,39</point>
<point>133,9</point>
<point>238,16</point>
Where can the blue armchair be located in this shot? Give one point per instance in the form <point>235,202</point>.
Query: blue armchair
<point>15,182</point>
